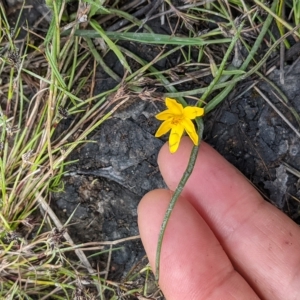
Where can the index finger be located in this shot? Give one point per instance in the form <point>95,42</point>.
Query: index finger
<point>262,243</point>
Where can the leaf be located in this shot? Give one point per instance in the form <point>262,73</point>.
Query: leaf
<point>151,38</point>
<point>110,44</point>
<point>96,8</point>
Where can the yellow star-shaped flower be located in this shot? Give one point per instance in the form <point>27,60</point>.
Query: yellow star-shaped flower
<point>178,119</point>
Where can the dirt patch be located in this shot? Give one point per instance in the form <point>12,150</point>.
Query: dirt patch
<point>250,134</point>
<point>113,173</point>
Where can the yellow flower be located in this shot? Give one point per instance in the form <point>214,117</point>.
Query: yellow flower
<point>178,119</point>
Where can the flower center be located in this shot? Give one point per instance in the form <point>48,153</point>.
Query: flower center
<point>177,120</point>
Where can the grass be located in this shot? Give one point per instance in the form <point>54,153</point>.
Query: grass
<point>45,79</point>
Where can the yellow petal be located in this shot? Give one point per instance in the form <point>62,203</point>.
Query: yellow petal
<point>175,136</point>
<point>164,115</point>
<point>192,112</point>
<point>163,128</point>
<point>190,129</point>
<point>174,107</point>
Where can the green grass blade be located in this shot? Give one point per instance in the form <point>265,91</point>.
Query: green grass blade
<point>151,38</point>
<point>110,44</point>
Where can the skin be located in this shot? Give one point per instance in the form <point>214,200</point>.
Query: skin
<point>223,241</point>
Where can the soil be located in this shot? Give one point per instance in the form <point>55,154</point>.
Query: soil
<point>254,138</point>
<point>118,166</point>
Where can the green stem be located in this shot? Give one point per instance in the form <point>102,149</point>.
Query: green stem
<point>186,175</point>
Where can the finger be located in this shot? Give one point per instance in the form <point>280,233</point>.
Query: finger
<point>193,263</point>
<point>261,241</point>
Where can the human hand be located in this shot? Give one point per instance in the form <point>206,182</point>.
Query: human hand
<point>223,241</point>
